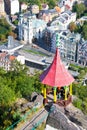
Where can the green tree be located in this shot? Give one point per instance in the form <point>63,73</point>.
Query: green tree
<point>7,96</point>
<point>2,72</point>
<point>37,84</point>
<point>78,103</point>
<point>79,8</point>
<point>72,26</point>
<point>17,68</point>
<point>5,29</point>
<point>15,83</point>
<point>85,106</point>
<point>51,3</point>
<point>15,22</point>
<point>2,37</point>
<point>84,31</point>
<point>78,29</point>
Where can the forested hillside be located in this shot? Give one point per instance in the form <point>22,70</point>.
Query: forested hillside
<point>15,84</point>
<point>51,3</point>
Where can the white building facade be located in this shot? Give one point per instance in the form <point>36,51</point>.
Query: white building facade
<point>82,53</point>
<point>30,27</point>
<point>14,5</point>
<point>2,10</point>
<point>68,45</point>
<point>64,20</point>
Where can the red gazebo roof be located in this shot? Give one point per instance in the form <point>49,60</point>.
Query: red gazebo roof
<point>56,74</point>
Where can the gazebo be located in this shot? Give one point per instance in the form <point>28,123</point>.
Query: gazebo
<point>57,77</point>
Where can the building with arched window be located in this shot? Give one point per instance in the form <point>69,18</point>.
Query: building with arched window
<point>30,27</point>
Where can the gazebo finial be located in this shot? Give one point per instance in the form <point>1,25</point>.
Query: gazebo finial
<point>57,40</point>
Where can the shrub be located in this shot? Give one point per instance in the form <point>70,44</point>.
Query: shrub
<point>78,103</point>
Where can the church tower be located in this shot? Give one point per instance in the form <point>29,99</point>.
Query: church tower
<point>20,27</point>
<point>29,30</point>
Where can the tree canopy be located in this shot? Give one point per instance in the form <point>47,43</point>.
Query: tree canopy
<point>79,9</point>
<point>79,90</point>
<point>5,29</point>
<point>72,26</point>
<point>84,30</point>
<point>51,3</point>
<point>14,84</point>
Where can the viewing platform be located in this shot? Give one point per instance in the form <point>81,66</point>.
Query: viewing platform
<point>60,102</point>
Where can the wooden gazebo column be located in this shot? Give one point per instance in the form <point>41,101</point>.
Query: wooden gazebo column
<point>65,92</point>
<point>55,97</point>
<point>45,92</point>
<point>71,89</point>
<point>45,95</point>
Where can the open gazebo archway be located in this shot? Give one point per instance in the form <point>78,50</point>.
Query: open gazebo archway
<point>57,76</point>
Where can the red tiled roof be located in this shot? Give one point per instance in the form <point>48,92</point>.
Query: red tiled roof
<point>11,57</point>
<point>67,6</point>
<point>58,9</point>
